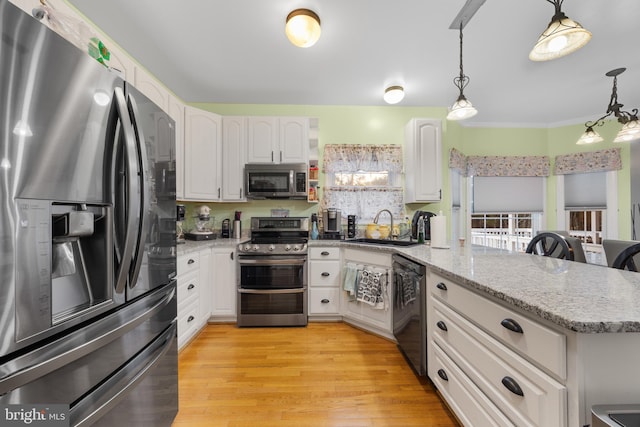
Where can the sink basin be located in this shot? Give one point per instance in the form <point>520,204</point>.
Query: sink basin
<point>384,242</point>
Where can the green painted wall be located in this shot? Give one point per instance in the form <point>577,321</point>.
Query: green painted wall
<point>385,125</point>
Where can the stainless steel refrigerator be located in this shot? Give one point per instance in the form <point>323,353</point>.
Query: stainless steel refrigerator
<point>87,236</point>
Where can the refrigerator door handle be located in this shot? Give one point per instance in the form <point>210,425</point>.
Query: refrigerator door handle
<point>93,406</point>
<point>140,159</point>
<point>124,249</point>
<point>40,362</point>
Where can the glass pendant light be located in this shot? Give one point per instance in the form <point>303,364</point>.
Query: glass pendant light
<point>303,27</point>
<point>630,132</point>
<point>562,37</point>
<point>590,136</point>
<point>462,108</point>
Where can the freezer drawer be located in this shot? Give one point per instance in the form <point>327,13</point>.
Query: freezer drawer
<point>97,367</point>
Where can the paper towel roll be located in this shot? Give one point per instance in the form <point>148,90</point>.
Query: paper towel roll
<point>438,226</point>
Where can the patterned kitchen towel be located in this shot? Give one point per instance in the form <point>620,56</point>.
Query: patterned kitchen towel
<point>371,290</point>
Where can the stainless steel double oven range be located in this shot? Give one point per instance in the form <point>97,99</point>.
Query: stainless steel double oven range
<point>272,273</point>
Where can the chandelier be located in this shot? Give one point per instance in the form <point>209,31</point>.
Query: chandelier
<point>630,126</point>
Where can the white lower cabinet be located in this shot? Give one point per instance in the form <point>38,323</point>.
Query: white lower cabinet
<point>516,365</point>
<point>377,320</point>
<point>224,286</point>
<point>194,282</point>
<point>324,283</point>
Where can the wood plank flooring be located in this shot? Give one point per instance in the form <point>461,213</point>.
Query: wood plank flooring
<point>325,374</point>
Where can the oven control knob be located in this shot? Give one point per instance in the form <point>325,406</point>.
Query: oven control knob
<point>296,248</point>
<point>287,248</point>
<point>256,247</point>
<point>272,248</point>
<point>247,248</point>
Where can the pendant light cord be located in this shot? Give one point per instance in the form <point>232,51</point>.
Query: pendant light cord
<point>461,81</point>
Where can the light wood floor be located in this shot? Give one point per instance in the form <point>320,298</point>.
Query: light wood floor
<point>326,374</point>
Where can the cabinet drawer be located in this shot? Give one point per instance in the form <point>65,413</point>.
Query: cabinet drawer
<point>324,301</point>
<point>188,262</point>
<point>187,322</point>
<point>524,393</point>
<point>324,253</point>
<point>534,341</point>
<point>188,286</point>
<point>324,273</point>
<point>471,406</point>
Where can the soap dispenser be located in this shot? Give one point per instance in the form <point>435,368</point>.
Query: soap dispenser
<point>314,227</point>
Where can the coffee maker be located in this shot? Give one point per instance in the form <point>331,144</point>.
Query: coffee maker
<point>427,224</point>
<point>332,224</point>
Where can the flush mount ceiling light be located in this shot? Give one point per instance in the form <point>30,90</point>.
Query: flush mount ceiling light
<point>562,37</point>
<point>630,126</point>
<point>462,108</point>
<point>303,27</point>
<point>393,94</point>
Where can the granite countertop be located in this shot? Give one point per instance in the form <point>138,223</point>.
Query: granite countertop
<point>580,297</point>
<point>585,298</point>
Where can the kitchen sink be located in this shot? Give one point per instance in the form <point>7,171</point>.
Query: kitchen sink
<point>383,242</point>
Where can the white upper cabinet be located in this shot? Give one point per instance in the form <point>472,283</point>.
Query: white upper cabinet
<point>294,139</point>
<point>423,161</point>
<point>277,140</point>
<point>202,154</point>
<point>176,111</point>
<point>154,90</point>
<point>234,142</point>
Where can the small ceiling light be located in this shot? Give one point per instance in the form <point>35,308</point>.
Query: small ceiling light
<point>393,94</point>
<point>562,37</point>
<point>303,27</point>
<point>462,108</point>
<point>630,126</point>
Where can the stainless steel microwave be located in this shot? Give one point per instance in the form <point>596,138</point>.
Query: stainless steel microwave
<point>276,181</point>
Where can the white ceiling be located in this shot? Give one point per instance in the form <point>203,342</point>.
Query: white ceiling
<point>235,51</point>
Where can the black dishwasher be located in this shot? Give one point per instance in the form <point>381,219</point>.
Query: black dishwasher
<point>409,311</point>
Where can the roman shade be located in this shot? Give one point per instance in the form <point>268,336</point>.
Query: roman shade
<point>496,194</point>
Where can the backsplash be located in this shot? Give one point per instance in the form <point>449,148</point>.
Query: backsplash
<point>221,211</point>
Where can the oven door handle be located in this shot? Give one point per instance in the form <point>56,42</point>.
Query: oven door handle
<point>288,261</point>
<point>272,291</point>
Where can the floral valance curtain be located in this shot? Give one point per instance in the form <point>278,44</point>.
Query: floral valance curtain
<point>508,166</point>
<point>458,161</point>
<point>370,158</point>
<point>592,161</point>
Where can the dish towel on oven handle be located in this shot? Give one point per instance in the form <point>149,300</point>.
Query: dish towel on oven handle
<point>372,287</point>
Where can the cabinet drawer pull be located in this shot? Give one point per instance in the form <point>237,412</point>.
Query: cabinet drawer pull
<point>325,274</point>
<point>191,286</point>
<point>191,261</point>
<point>512,386</point>
<point>442,325</point>
<point>190,319</point>
<point>512,325</point>
<point>441,286</point>
<point>325,301</point>
<point>324,253</point>
<point>442,374</point>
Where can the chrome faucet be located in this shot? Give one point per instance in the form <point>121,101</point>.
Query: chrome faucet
<point>377,217</point>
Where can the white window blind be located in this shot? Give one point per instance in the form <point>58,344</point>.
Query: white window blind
<point>585,190</point>
<point>492,194</point>
<point>455,189</point>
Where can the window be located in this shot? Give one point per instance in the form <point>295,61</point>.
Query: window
<point>507,211</point>
<point>361,180</point>
<point>585,206</point>
<point>511,231</point>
